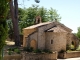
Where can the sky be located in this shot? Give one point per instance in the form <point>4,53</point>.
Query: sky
<point>69,10</point>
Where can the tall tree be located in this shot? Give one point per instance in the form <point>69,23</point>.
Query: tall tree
<point>3,26</point>
<point>14,15</point>
<point>27,15</point>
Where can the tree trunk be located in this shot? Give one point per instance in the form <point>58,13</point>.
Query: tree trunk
<point>14,16</point>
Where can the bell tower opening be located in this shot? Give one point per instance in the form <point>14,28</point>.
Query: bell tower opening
<point>38,20</point>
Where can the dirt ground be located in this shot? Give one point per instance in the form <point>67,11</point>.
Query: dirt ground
<point>10,43</point>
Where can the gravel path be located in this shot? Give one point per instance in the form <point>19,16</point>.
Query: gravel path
<point>10,42</point>
<point>70,59</point>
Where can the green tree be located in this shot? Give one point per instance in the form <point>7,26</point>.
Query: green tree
<point>22,17</point>
<point>3,25</point>
<point>78,33</point>
<point>43,13</point>
<point>10,29</point>
<point>14,15</point>
<point>52,15</point>
<point>27,15</point>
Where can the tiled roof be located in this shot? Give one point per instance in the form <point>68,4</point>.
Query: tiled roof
<point>55,23</point>
<point>56,29</point>
<point>37,25</point>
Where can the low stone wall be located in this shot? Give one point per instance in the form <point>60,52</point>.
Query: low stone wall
<point>69,54</point>
<point>13,57</point>
<point>44,56</point>
<point>32,56</point>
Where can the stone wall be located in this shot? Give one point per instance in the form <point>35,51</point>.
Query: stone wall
<point>13,57</point>
<point>41,38</point>
<point>41,35</point>
<point>75,39</point>
<point>68,38</point>
<point>31,38</point>
<point>69,54</point>
<point>32,56</point>
<point>26,32</point>
<point>72,38</point>
<point>59,41</point>
<point>44,56</point>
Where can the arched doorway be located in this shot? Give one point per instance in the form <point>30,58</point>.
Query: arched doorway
<point>33,44</point>
<point>74,44</point>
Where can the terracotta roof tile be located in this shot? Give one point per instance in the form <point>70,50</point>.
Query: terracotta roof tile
<point>57,29</point>
<point>37,25</point>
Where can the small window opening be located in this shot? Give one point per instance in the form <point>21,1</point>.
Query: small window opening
<point>51,41</point>
<point>72,43</point>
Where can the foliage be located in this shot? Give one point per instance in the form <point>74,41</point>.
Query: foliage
<point>37,51</point>
<point>78,33</point>
<point>53,15</point>
<point>10,29</point>
<point>62,51</point>
<point>72,47</point>
<point>69,51</point>
<point>47,51</point>
<point>78,48</point>
<point>3,25</point>
<point>43,13</point>
<point>27,15</point>
<point>28,49</point>
<point>17,51</point>
<point>67,47</point>
<point>11,50</point>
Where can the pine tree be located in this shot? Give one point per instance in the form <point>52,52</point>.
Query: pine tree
<point>3,25</point>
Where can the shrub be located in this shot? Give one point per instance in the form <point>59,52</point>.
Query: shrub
<point>10,49</point>
<point>28,49</point>
<point>9,52</point>
<point>72,47</point>
<point>3,25</point>
<point>78,49</point>
<point>67,47</point>
<point>62,51</point>
<point>47,51</point>
<point>37,51</point>
<point>17,51</point>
